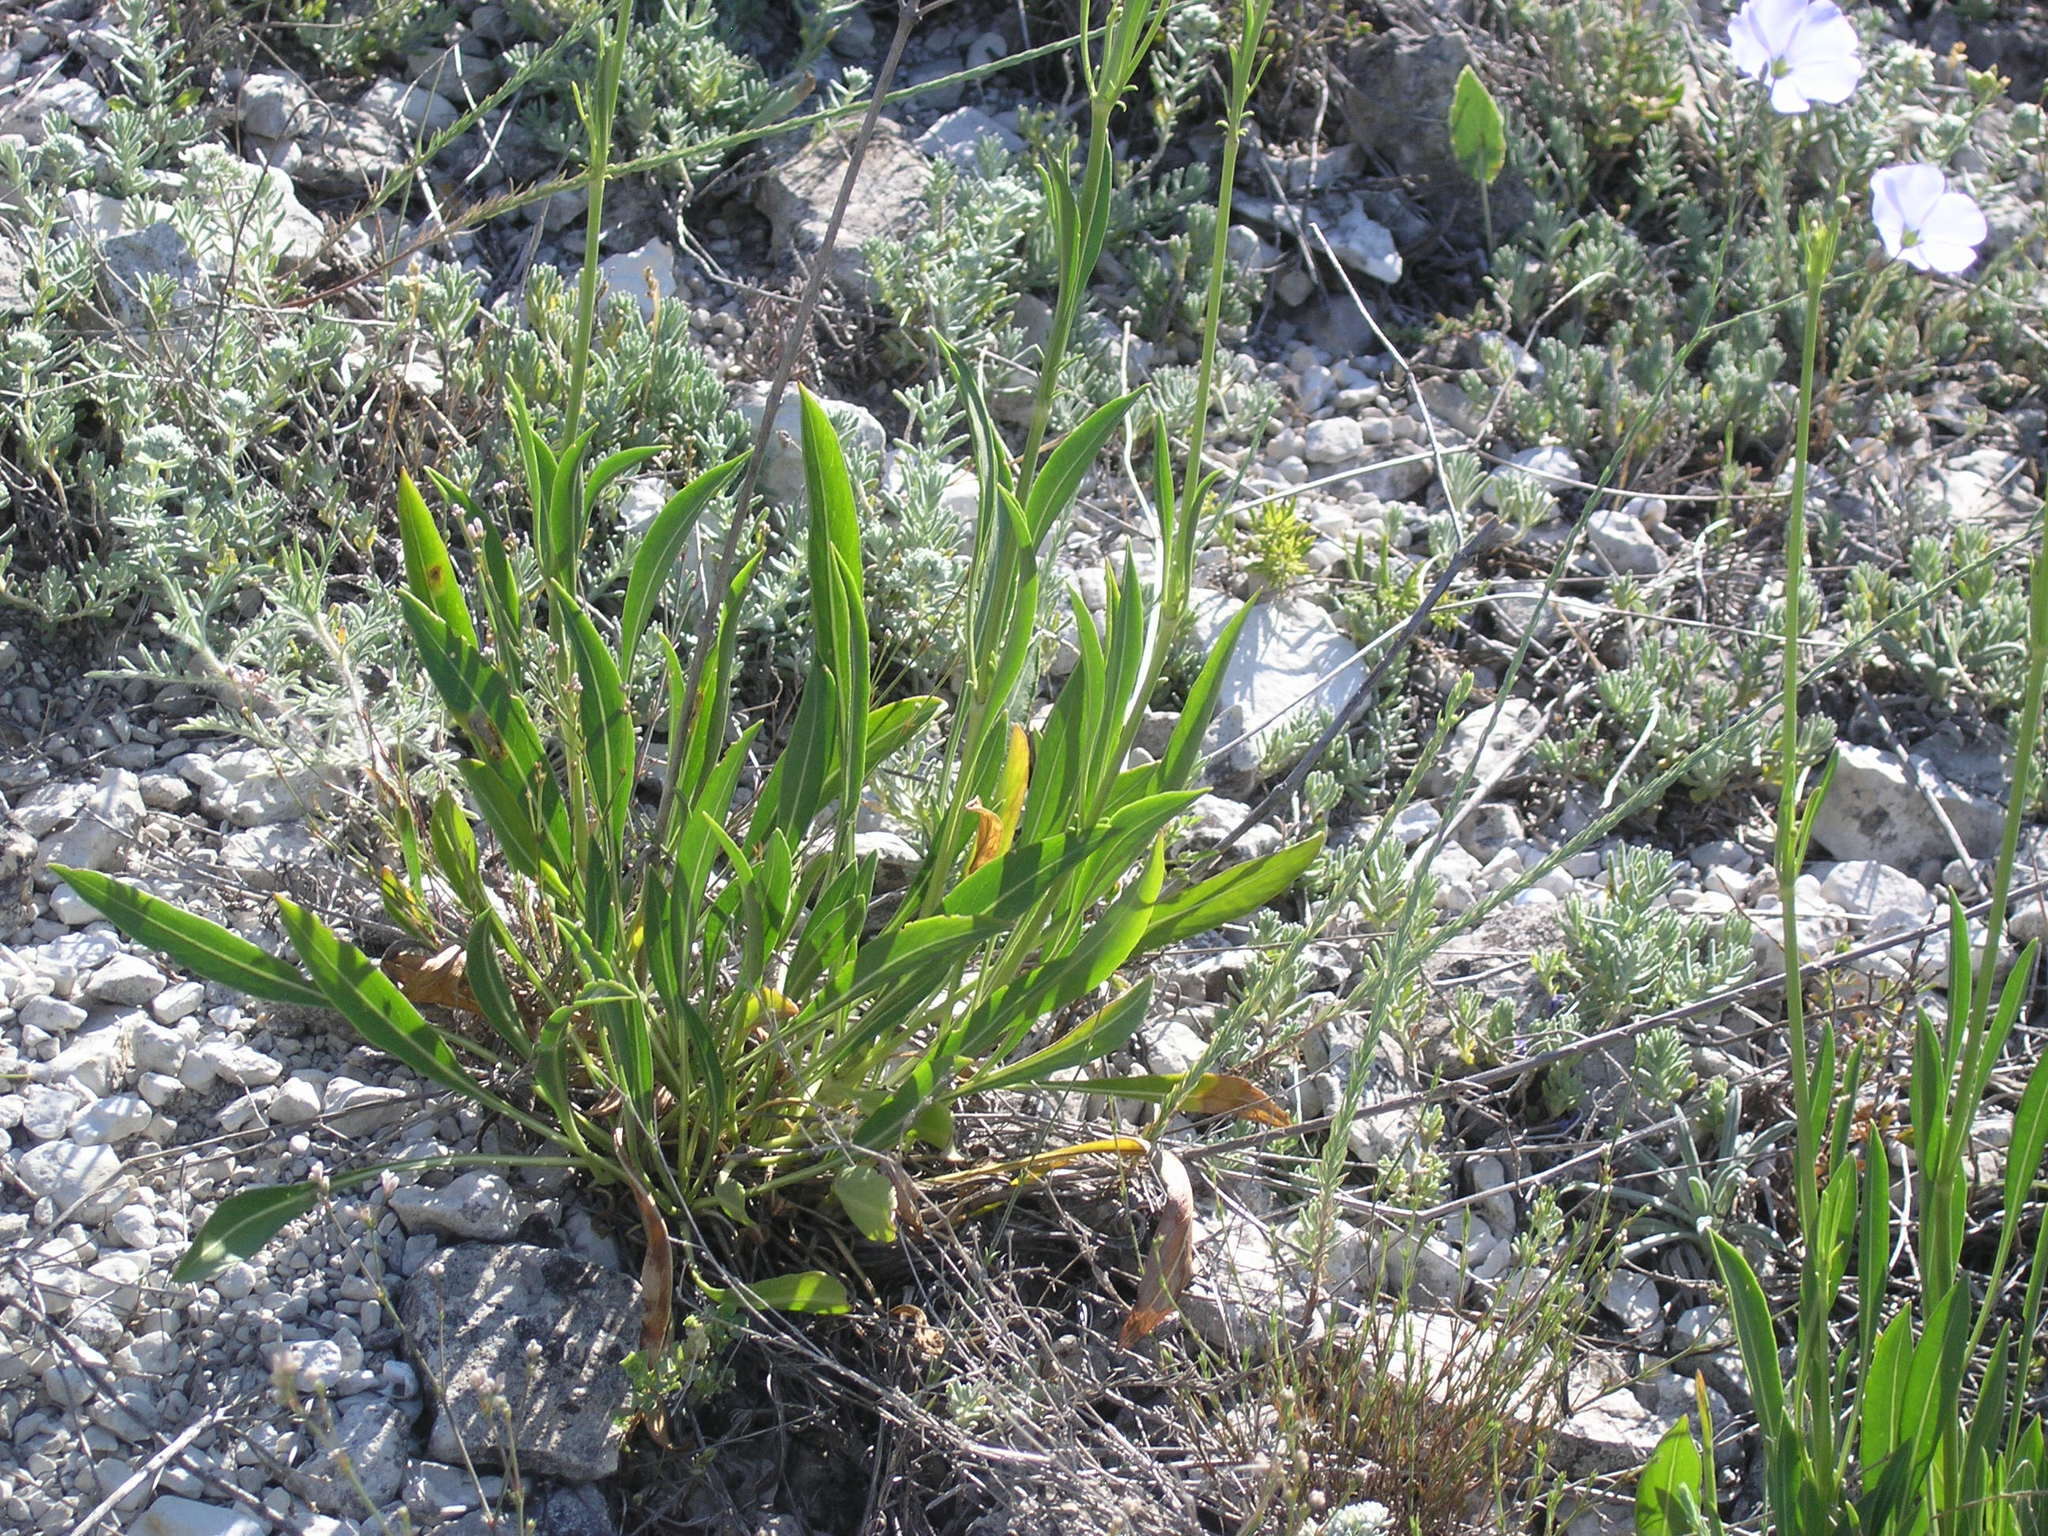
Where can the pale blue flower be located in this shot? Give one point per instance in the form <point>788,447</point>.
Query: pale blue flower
<point>1804,50</point>
<point>1922,222</point>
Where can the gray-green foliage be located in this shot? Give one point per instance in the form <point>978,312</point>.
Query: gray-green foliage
<point>682,87</point>
<point>1947,626</point>
<point>1664,208</point>
<point>1628,954</point>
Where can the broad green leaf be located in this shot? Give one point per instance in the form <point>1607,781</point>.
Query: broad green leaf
<point>661,546</point>
<point>1478,135</point>
<point>1229,895</point>
<point>428,571</point>
<point>382,1014</point>
<point>868,1195</point>
<point>194,943</point>
<point>241,1224</point>
<point>1095,1037</point>
<point>811,1291</point>
<point>1673,1467</point>
<point>1068,464</point>
<point>567,515</point>
<point>604,717</point>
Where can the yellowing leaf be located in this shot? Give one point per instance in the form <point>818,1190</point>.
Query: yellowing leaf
<point>1220,1093</point>
<point>1171,1263</point>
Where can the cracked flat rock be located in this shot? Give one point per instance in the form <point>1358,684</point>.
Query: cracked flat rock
<point>798,194</point>
<point>544,1327</point>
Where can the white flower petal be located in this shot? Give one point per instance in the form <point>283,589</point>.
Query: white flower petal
<point>1907,192</point>
<point>1829,80</point>
<point>1955,219</point>
<point>1946,257</point>
<point>1752,53</point>
<point>1778,21</point>
<point>1787,97</point>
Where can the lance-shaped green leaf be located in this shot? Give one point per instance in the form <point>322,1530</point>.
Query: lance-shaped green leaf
<point>194,943</point>
<point>1669,1485</point>
<point>811,1291</point>
<point>661,547</point>
<point>383,1015</point>
<point>1103,1031</point>
<point>604,717</point>
<point>1229,895</point>
<point>1057,483</point>
<point>428,571</point>
<point>1478,135</point>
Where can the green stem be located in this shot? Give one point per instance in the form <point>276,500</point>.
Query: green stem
<point>603,110</point>
<point>1820,254</point>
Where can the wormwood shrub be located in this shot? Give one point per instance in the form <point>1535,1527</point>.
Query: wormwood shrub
<point>705,1000</point>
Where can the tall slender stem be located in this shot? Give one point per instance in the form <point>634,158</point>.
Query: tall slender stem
<point>603,111</point>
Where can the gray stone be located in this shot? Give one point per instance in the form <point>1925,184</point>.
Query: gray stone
<point>641,274</point>
<point>1610,1435</point>
<point>374,1435</point>
<point>1632,1301</point>
<point>346,150</point>
<point>249,787</point>
<point>171,1515</point>
<point>1620,539</point>
<point>52,1015</point>
<point>1874,811</point>
<point>1365,245</point>
<point>273,106</point>
<point>798,195</point>
<point>958,135</point>
<point>67,1172</point>
<point>782,460</point>
<point>473,1311</point>
<point>98,836</point>
<point>243,1065</point>
<point>17,875</point>
<point>1290,660</point>
<point>1547,465</point>
<point>128,980</point>
<point>479,1205</point>
<point>408,108</point>
<point>1333,440</point>
<point>1489,741</point>
<point>151,260</point>
<point>1865,888</point>
<point>111,1120</point>
<point>261,857</point>
<point>1985,485</point>
<point>29,114</point>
